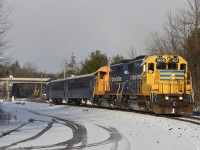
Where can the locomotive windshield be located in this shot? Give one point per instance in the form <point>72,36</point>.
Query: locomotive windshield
<point>169,66</point>
<point>161,66</point>
<point>172,66</point>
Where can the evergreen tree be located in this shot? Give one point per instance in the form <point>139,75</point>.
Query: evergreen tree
<point>72,66</point>
<point>15,68</point>
<point>94,62</point>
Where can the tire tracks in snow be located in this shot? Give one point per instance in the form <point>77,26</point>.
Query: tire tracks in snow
<point>115,137</point>
<point>13,130</point>
<point>79,136</point>
<point>31,138</point>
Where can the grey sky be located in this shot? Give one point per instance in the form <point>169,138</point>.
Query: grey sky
<point>45,31</point>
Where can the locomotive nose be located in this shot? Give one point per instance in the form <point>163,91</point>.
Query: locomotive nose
<point>173,76</point>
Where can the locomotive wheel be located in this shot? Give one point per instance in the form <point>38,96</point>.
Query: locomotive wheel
<point>142,103</point>
<point>123,101</point>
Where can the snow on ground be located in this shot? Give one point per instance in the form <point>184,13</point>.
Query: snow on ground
<point>57,127</point>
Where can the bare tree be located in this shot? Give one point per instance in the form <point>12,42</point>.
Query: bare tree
<point>156,44</point>
<point>72,65</point>
<point>132,53</point>
<point>64,66</point>
<point>116,59</point>
<point>181,35</point>
<point>69,67</point>
<point>5,25</point>
<point>30,67</point>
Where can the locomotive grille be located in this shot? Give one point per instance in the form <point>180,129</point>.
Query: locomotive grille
<point>167,74</point>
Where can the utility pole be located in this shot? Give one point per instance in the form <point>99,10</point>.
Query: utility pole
<point>41,86</point>
<point>64,70</point>
<point>9,86</point>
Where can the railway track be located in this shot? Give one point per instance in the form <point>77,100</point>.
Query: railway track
<point>190,119</point>
<point>184,118</point>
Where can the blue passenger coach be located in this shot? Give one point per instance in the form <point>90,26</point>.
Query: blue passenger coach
<point>71,90</point>
<point>80,88</point>
<point>56,90</point>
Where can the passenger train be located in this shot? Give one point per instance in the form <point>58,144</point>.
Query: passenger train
<point>160,84</point>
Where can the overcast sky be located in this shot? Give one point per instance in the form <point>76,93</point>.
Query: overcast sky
<point>46,31</point>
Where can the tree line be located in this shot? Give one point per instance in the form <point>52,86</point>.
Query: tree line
<point>92,63</point>
<point>29,70</point>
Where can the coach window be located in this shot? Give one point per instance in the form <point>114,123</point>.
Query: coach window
<point>151,67</point>
<point>183,67</point>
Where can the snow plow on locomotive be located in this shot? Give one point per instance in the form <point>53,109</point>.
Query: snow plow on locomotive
<point>159,83</point>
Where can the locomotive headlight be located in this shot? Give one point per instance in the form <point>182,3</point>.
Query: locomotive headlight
<point>180,98</point>
<point>166,97</point>
<point>173,76</point>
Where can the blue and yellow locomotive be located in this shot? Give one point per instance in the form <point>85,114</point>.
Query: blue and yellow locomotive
<point>166,85</point>
<point>156,83</point>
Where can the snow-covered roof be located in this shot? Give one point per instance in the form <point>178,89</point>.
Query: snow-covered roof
<point>81,76</point>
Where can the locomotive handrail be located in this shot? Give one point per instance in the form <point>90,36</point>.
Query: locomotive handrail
<point>123,85</point>
<point>118,88</point>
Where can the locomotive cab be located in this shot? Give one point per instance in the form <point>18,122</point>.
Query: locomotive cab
<point>101,84</point>
<point>167,83</point>
<point>101,77</point>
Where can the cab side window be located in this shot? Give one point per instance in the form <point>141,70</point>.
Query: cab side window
<point>183,67</point>
<point>151,67</point>
<point>101,75</point>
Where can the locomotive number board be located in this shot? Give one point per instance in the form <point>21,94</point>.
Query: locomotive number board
<point>160,60</point>
<point>174,60</point>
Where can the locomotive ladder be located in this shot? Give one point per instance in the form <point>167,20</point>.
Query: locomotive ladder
<point>119,93</point>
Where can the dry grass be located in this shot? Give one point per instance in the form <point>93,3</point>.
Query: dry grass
<point>4,116</point>
<point>40,99</point>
